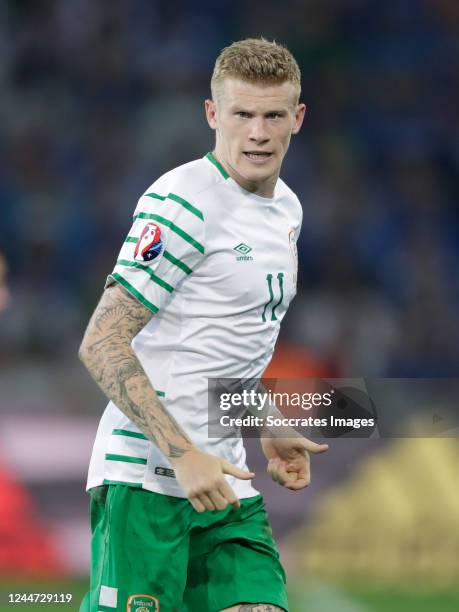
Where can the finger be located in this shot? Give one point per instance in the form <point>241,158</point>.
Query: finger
<point>227,492</point>
<point>206,501</point>
<point>272,470</point>
<point>229,468</point>
<point>218,500</point>
<point>279,472</point>
<point>299,483</point>
<point>283,475</point>
<point>302,478</point>
<point>197,505</point>
<point>313,447</point>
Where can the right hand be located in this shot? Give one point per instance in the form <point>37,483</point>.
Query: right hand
<point>201,476</point>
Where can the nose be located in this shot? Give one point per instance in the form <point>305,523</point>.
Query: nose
<point>258,131</point>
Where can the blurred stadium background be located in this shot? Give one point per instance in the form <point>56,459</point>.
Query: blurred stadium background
<point>100,97</point>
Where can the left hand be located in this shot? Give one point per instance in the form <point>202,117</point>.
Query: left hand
<point>288,460</point>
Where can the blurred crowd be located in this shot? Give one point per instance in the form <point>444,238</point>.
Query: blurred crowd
<point>100,98</point>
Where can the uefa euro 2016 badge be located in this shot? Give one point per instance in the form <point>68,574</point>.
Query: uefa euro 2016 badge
<point>142,603</point>
<point>149,245</point>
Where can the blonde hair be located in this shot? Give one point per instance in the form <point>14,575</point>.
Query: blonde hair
<point>256,60</point>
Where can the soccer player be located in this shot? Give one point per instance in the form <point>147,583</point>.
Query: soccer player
<point>199,290</point>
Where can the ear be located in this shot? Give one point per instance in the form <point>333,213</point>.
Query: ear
<point>211,113</point>
<point>299,116</point>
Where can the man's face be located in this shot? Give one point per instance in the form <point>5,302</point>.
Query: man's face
<point>137,390</point>
<point>254,124</point>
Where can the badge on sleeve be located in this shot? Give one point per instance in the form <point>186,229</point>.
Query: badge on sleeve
<point>149,245</point>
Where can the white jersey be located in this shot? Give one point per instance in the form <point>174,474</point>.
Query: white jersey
<point>217,266</point>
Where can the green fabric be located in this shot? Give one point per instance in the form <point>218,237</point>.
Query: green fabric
<point>147,270</point>
<point>133,291</point>
<point>159,546</point>
<point>210,156</point>
<point>175,228</point>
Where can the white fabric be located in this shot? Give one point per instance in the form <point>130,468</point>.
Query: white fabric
<point>212,323</point>
<point>108,596</point>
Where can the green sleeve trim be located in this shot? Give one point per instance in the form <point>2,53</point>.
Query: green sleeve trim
<point>179,200</point>
<point>210,156</point>
<point>175,228</point>
<point>151,274</point>
<point>137,485</point>
<point>177,262</point>
<point>133,291</point>
<point>131,239</point>
<point>125,458</point>
<point>160,393</point>
<point>156,196</point>
<point>128,433</point>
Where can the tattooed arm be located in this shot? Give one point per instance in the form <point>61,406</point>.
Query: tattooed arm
<point>107,354</point>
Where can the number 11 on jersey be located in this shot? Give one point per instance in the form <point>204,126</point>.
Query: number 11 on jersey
<point>272,301</point>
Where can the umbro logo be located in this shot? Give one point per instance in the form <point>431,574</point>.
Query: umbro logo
<point>243,250</point>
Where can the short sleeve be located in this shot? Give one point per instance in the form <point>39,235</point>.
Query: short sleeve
<point>163,247</point>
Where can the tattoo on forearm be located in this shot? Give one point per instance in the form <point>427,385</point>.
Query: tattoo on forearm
<point>106,352</point>
<point>175,451</point>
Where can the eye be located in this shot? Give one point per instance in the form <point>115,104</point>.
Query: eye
<point>243,114</point>
<point>274,115</point>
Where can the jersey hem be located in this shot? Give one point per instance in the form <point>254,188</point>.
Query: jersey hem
<point>156,489</point>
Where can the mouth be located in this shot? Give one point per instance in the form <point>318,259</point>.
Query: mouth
<point>258,157</point>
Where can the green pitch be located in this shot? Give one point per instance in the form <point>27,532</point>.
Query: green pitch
<point>375,598</point>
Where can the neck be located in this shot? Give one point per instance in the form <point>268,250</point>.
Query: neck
<point>265,188</point>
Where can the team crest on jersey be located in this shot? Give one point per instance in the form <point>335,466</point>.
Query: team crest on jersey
<point>142,603</point>
<point>294,252</point>
<point>149,245</point>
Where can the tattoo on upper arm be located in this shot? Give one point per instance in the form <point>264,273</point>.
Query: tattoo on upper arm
<point>107,353</point>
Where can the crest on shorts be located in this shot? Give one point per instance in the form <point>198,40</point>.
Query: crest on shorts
<point>142,603</point>
<point>150,244</point>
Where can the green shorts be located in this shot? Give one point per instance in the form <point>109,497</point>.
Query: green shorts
<point>155,553</point>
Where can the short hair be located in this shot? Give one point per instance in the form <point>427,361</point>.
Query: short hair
<point>256,60</point>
